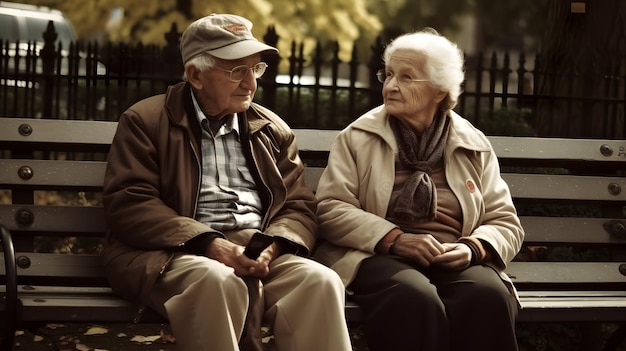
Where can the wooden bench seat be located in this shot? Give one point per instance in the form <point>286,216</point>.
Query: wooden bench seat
<point>571,195</point>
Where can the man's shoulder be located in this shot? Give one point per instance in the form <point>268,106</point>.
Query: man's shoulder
<point>149,105</point>
<point>264,112</point>
<point>266,117</point>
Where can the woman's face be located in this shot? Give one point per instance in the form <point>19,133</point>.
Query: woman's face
<point>405,94</point>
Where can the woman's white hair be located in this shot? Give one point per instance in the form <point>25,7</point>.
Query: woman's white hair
<point>443,62</point>
<point>201,62</point>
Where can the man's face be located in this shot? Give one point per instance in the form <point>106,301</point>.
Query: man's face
<point>218,95</point>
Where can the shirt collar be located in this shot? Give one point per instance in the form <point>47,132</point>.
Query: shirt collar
<point>231,124</point>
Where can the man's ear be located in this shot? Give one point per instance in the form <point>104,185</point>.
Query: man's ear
<point>193,76</point>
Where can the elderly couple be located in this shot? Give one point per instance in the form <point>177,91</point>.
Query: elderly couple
<point>411,217</point>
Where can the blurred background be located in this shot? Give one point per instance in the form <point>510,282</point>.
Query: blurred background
<point>535,67</point>
<point>554,68</point>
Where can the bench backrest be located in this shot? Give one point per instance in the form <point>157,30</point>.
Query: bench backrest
<point>571,194</point>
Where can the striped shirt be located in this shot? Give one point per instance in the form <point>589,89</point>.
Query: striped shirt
<point>228,196</point>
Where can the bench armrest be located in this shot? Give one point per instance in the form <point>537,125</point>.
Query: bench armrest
<point>10,303</point>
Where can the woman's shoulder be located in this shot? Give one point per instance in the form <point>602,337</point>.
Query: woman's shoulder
<point>374,121</point>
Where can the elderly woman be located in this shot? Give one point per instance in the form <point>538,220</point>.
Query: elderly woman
<point>414,214</point>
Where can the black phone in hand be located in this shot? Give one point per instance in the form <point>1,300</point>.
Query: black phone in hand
<point>257,244</point>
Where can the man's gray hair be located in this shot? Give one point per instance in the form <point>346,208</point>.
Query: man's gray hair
<point>201,62</point>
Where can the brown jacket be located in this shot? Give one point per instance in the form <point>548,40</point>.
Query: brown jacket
<point>152,182</point>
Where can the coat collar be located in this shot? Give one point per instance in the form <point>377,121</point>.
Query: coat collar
<point>462,132</point>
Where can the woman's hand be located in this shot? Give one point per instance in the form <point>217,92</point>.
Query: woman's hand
<point>421,248</point>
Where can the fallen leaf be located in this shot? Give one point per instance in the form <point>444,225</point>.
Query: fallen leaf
<point>96,331</point>
<point>167,337</point>
<point>145,339</point>
<point>82,347</point>
<point>54,325</point>
<point>121,335</point>
<point>267,339</point>
<point>69,339</point>
<point>37,338</point>
<point>19,332</point>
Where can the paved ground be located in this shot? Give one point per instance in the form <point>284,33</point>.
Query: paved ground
<point>115,337</point>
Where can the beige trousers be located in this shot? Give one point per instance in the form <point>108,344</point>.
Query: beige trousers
<point>206,304</point>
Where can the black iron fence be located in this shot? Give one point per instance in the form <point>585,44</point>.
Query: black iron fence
<point>504,93</point>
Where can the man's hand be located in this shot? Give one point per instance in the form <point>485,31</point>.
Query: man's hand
<point>232,255</point>
<point>457,256</point>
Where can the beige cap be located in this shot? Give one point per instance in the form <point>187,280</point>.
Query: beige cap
<point>224,36</point>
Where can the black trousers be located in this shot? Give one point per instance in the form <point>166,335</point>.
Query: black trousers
<point>417,309</point>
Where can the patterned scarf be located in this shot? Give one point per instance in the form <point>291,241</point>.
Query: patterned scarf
<point>418,199</point>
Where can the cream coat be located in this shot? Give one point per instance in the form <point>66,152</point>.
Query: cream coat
<point>355,188</point>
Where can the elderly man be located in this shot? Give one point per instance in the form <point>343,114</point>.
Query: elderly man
<point>192,174</point>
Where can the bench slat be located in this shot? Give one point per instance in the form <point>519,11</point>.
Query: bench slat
<point>64,132</point>
<point>566,273</point>
<point>61,265</point>
<point>89,221</point>
<point>89,175</point>
<point>59,134</point>
<point>68,304</point>
<point>564,187</point>
<point>521,272</point>
<point>62,220</point>
<point>49,173</point>
<point>586,150</point>
<point>520,148</point>
<point>569,230</point>
<point>82,308</point>
<point>322,141</point>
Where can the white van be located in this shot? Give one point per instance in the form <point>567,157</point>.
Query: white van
<point>23,23</point>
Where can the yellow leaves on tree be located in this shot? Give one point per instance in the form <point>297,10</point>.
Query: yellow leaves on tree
<point>147,21</point>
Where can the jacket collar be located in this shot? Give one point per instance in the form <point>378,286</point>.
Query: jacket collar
<point>255,118</point>
<point>181,115</point>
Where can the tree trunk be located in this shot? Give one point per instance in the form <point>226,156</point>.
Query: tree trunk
<point>581,70</point>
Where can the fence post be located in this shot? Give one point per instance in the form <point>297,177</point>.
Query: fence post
<point>354,65</point>
<point>375,63</point>
<point>272,60</point>
<point>523,84</point>
<point>172,57</point>
<point>48,56</point>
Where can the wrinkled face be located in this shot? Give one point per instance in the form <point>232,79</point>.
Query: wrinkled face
<point>217,94</point>
<point>405,95</point>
